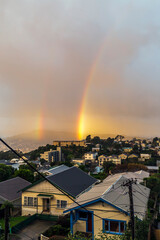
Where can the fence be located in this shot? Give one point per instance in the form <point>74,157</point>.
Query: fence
<point>30,219</point>
<point>43,237</point>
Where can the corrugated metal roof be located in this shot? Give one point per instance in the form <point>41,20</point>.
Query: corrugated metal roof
<point>9,188</point>
<point>73,181</point>
<point>112,191</point>
<point>58,169</point>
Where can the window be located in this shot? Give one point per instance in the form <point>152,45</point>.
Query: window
<point>61,204</point>
<point>58,204</point>
<point>113,226</point>
<point>25,201</point>
<point>30,201</point>
<point>82,215</point>
<point>35,202</point>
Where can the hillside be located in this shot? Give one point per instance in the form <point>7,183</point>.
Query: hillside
<point>29,141</point>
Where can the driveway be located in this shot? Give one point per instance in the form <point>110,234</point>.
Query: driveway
<point>33,230</point>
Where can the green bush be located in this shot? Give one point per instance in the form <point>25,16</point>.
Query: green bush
<point>56,230</point>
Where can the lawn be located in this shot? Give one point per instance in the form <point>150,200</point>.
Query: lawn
<point>13,221</point>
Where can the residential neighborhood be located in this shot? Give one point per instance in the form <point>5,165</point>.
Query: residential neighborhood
<point>90,189</point>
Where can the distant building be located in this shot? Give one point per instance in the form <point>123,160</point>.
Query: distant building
<point>133,156</point>
<point>52,155</point>
<point>98,169</point>
<point>69,143</point>
<point>78,161</point>
<point>96,149</point>
<point>144,156</point>
<point>158,163</point>
<point>90,156</point>
<point>14,160</point>
<point>113,158</point>
<point>123,156</point>
<point>153,169</point>
<point>127,149</point>
<point>8,163</point>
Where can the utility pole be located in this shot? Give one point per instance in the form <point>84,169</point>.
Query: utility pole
<point>6,217</point>
<point>129,184</point>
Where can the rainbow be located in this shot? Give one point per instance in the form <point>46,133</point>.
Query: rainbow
<point>41,113</point>
<point>40,125</point>
<point>92,71</point>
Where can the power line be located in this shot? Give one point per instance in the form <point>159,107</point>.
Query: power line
<point>142,191</point>
<point>66,194</point>
<point>129,184</point>
<point>138,198</point>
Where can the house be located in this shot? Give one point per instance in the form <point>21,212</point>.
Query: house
<point>78,161</point>
<point>10,191</point>
<point>98,169</point>
<point>138,175</point>
<point>113,158</point>
<point>106,207</point>
<point>90,156</point>
<point>97,148</point>
<point>158,163</point>
<point>123,156</point>
<point>144,156</point>
<point>153,169</point>
<point>133,155</point>
<point>102,159</point>
<point>8,163</point>
<point>56,170</point>
<point>127,149</point>
<point>52,197</point>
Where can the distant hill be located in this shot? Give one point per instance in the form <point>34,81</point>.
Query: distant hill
<point>29,141</point>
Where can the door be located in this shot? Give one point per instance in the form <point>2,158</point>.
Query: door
<point>89,222</point>
<point>46,205</point>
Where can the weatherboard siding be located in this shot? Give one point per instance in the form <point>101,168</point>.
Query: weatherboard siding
<point>103,210</point>
<point>45,188</point>
<point>80,226</point>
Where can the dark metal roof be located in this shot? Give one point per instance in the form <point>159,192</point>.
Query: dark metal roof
<point>9,188</point>
<point>73,181</point>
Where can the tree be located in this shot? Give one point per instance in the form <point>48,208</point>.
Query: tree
<point>96,140</point>
<point>7,206</point>
<point>27,167</point>
<point>6,172</point>
<point>88,139</point>
<point>83,168</point>
<point>25,174</point>
<point>108,166</point>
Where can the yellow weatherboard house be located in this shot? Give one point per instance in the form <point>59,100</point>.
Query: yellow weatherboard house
<point>52,198</point>
<point>106,207</point>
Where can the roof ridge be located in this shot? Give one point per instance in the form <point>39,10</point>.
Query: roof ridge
<point>60,172</point>
<point>113,184</point>
<point>57,167</point>
<point>13,178</point>
<point>85,173</point>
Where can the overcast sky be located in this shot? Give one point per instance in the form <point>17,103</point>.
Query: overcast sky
<point>47,48</point>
